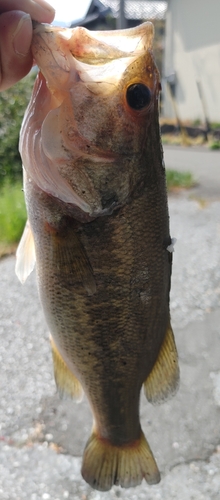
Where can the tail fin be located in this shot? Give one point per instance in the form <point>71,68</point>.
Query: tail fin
<point>105,464</point>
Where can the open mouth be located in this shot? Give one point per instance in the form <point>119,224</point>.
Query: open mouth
<point>98,59</point>
<point>81,124</point>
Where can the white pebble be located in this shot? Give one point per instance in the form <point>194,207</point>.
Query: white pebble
<point>175,445</point>
<point>49,437</point>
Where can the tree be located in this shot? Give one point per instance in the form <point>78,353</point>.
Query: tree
<point>13,103</point>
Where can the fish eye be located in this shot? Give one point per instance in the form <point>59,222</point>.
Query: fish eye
<point>138,96</point>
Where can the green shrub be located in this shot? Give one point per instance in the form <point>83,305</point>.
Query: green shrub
<point>12,212</point>
<point>215,145</point>
<point>13,103</point>
<point>177,179</point>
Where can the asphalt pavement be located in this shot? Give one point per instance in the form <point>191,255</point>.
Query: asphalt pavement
<point>42,437</point>
<point>202,163</point>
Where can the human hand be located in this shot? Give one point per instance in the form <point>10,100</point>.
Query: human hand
<point>16,35</point>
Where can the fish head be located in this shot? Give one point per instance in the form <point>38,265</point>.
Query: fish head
<point>84,133</point>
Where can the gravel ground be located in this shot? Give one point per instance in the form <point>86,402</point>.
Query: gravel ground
<point>37,459</point>
<point>40,473</point>
<point>196,270</point>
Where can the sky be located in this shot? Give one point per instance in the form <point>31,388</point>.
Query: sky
<point>70,10</point>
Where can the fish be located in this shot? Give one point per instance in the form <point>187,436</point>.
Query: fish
<point>98,230</point>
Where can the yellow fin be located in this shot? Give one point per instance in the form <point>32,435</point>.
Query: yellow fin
<point>65,380</point>
<point>105,464</point>
<point>163,380</point>
<point>25,255</point>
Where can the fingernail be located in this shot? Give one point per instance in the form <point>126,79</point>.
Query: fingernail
<point>22,34</point>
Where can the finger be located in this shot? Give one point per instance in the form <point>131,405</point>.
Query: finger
<point>15,40</point>
<point>39,10</point>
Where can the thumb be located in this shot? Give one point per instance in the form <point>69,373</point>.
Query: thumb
<point>15,40</point>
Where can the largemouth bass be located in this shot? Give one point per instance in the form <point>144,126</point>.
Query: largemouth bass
<point>95,190</point>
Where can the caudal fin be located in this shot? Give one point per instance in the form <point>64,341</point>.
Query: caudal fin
<point>105,464</point>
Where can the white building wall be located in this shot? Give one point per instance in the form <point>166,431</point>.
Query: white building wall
<point>192,53</point>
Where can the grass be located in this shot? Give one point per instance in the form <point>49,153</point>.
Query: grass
<point>12,216</point>
<point>180,140</point>
<point>215,145</point>
<point>215,125</point>
<point>179,180</point>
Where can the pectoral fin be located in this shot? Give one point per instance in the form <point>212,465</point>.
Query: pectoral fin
<point>25,255</point>
<point>163,380</point>
<point>65,380</point>
<point>70,256</point>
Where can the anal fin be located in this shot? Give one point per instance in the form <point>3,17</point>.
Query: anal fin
<point>163,380</point>
<point>66,381</point>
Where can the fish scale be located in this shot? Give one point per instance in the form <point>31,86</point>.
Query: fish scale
<point>95,192</point>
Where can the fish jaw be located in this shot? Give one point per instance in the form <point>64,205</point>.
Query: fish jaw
<point>78,129</point>
<point>66,55</point>
<point>38,166</point>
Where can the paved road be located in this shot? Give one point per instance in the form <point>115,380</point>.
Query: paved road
<point>203,163</point>
<point>42,437</point>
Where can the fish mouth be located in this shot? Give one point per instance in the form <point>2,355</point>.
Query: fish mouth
<point>62,153</point>
<point>93,58</point>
